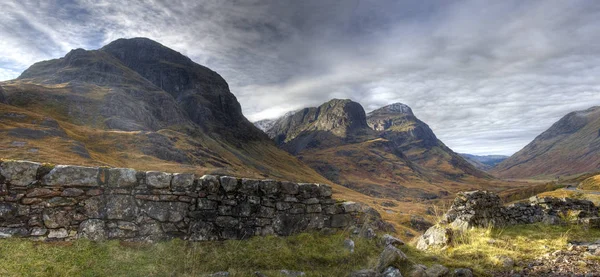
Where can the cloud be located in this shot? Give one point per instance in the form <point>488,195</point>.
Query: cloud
<point>486,76</point>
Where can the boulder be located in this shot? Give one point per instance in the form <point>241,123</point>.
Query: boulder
<point>54,218</point>
<point>58,233</point>
<point>391,256</point>
<point>19,173</point>
<point>68,175</point>
<point>435,237</point>
<point>419,223</point>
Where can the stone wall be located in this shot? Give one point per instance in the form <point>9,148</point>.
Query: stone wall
<point>65,202</point>
<point>482,209</point>
<point>485,209</point>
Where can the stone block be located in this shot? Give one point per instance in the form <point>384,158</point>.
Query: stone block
<point>19,173</point>
<point>72,176</point>
<point>229,184</point>
<point>158,180</point>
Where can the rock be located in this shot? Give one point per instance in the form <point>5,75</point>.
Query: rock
<point>388,239</point>
<point>389,257</point>
<point>437,271</point>
<point>10,232</point>
<point>182,181</point>
<point>350,207</point>
<point>229,184</point>
<point>58,233</point>
<point>165,211</point>
<point>364,273</point>
<point>56,218</point>
<point>340,220</point>
<point>349,244</point>
<point>38,231</point>
<point>75,176</point>
<point>269,187</point>
<point>324,190</point>
<point>202,231</point>
<point>60,202</point>
<point>121,207</point>
<point>209,183</point>
<point>19,173</point>
<point>71,192</point>
<point>249,186</point>
<point>435,237</point>
<point>419,223</point>
<point>92,229</point>
<point>418,270</point>
<point>506,261</point>
<point>391,272</point>
<point>289,188</point>
<point>291,273</point>
<point>121,177</point>
<point>462,272</point>
<point>7,210</point>
<point>158,180</point>
<point>259,274</point>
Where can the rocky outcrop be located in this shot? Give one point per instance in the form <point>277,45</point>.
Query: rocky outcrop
<point>67,202</point>
<point>485,209</point>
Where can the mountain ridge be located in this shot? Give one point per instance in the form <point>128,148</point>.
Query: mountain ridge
<point>570,146</point>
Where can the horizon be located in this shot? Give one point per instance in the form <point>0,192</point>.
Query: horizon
<point>482,92</point>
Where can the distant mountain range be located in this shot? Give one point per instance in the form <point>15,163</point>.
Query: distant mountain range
<point>570,146</point>
<point>484,163</point>
<point>388,152</point>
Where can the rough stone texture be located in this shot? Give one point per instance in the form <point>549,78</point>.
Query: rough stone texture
<point>364,273</point>
<point>391,272</point>
<point>437,237</point>
<point>158,180</point>
<point>72,176</point>
<point>70,202</point>
<point>389,257</point>
<point>122,177</point>
<point>19,173</point>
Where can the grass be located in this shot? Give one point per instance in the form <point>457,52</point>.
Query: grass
<point>315,254</point>
<point>480,249</point>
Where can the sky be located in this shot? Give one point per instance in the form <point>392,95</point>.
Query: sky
<point>486,76</point>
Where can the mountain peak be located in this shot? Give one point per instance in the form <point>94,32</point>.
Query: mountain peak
<point>396,108</point>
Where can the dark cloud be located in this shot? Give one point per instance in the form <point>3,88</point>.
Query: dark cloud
<point>487,76</point>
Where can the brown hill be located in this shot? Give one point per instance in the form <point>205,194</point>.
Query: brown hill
<point>570,146</point>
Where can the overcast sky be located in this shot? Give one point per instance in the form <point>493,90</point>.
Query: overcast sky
<point>487,76</point>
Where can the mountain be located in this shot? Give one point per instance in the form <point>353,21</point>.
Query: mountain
<point>264,124</point>
<point>484,163</point>
<point>386,153</point>
<point>136,103</point>
<point>569,146</point>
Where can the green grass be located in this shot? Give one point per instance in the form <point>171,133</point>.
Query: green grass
<point>315,254</point>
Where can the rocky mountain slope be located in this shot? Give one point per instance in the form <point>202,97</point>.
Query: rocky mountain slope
<point>388,152</point>
<point>136,103</point>
<point>569,146</point>
<point>484,163</point>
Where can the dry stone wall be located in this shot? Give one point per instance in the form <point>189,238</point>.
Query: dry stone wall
<point>485,209</point>
<point>65,202</point>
